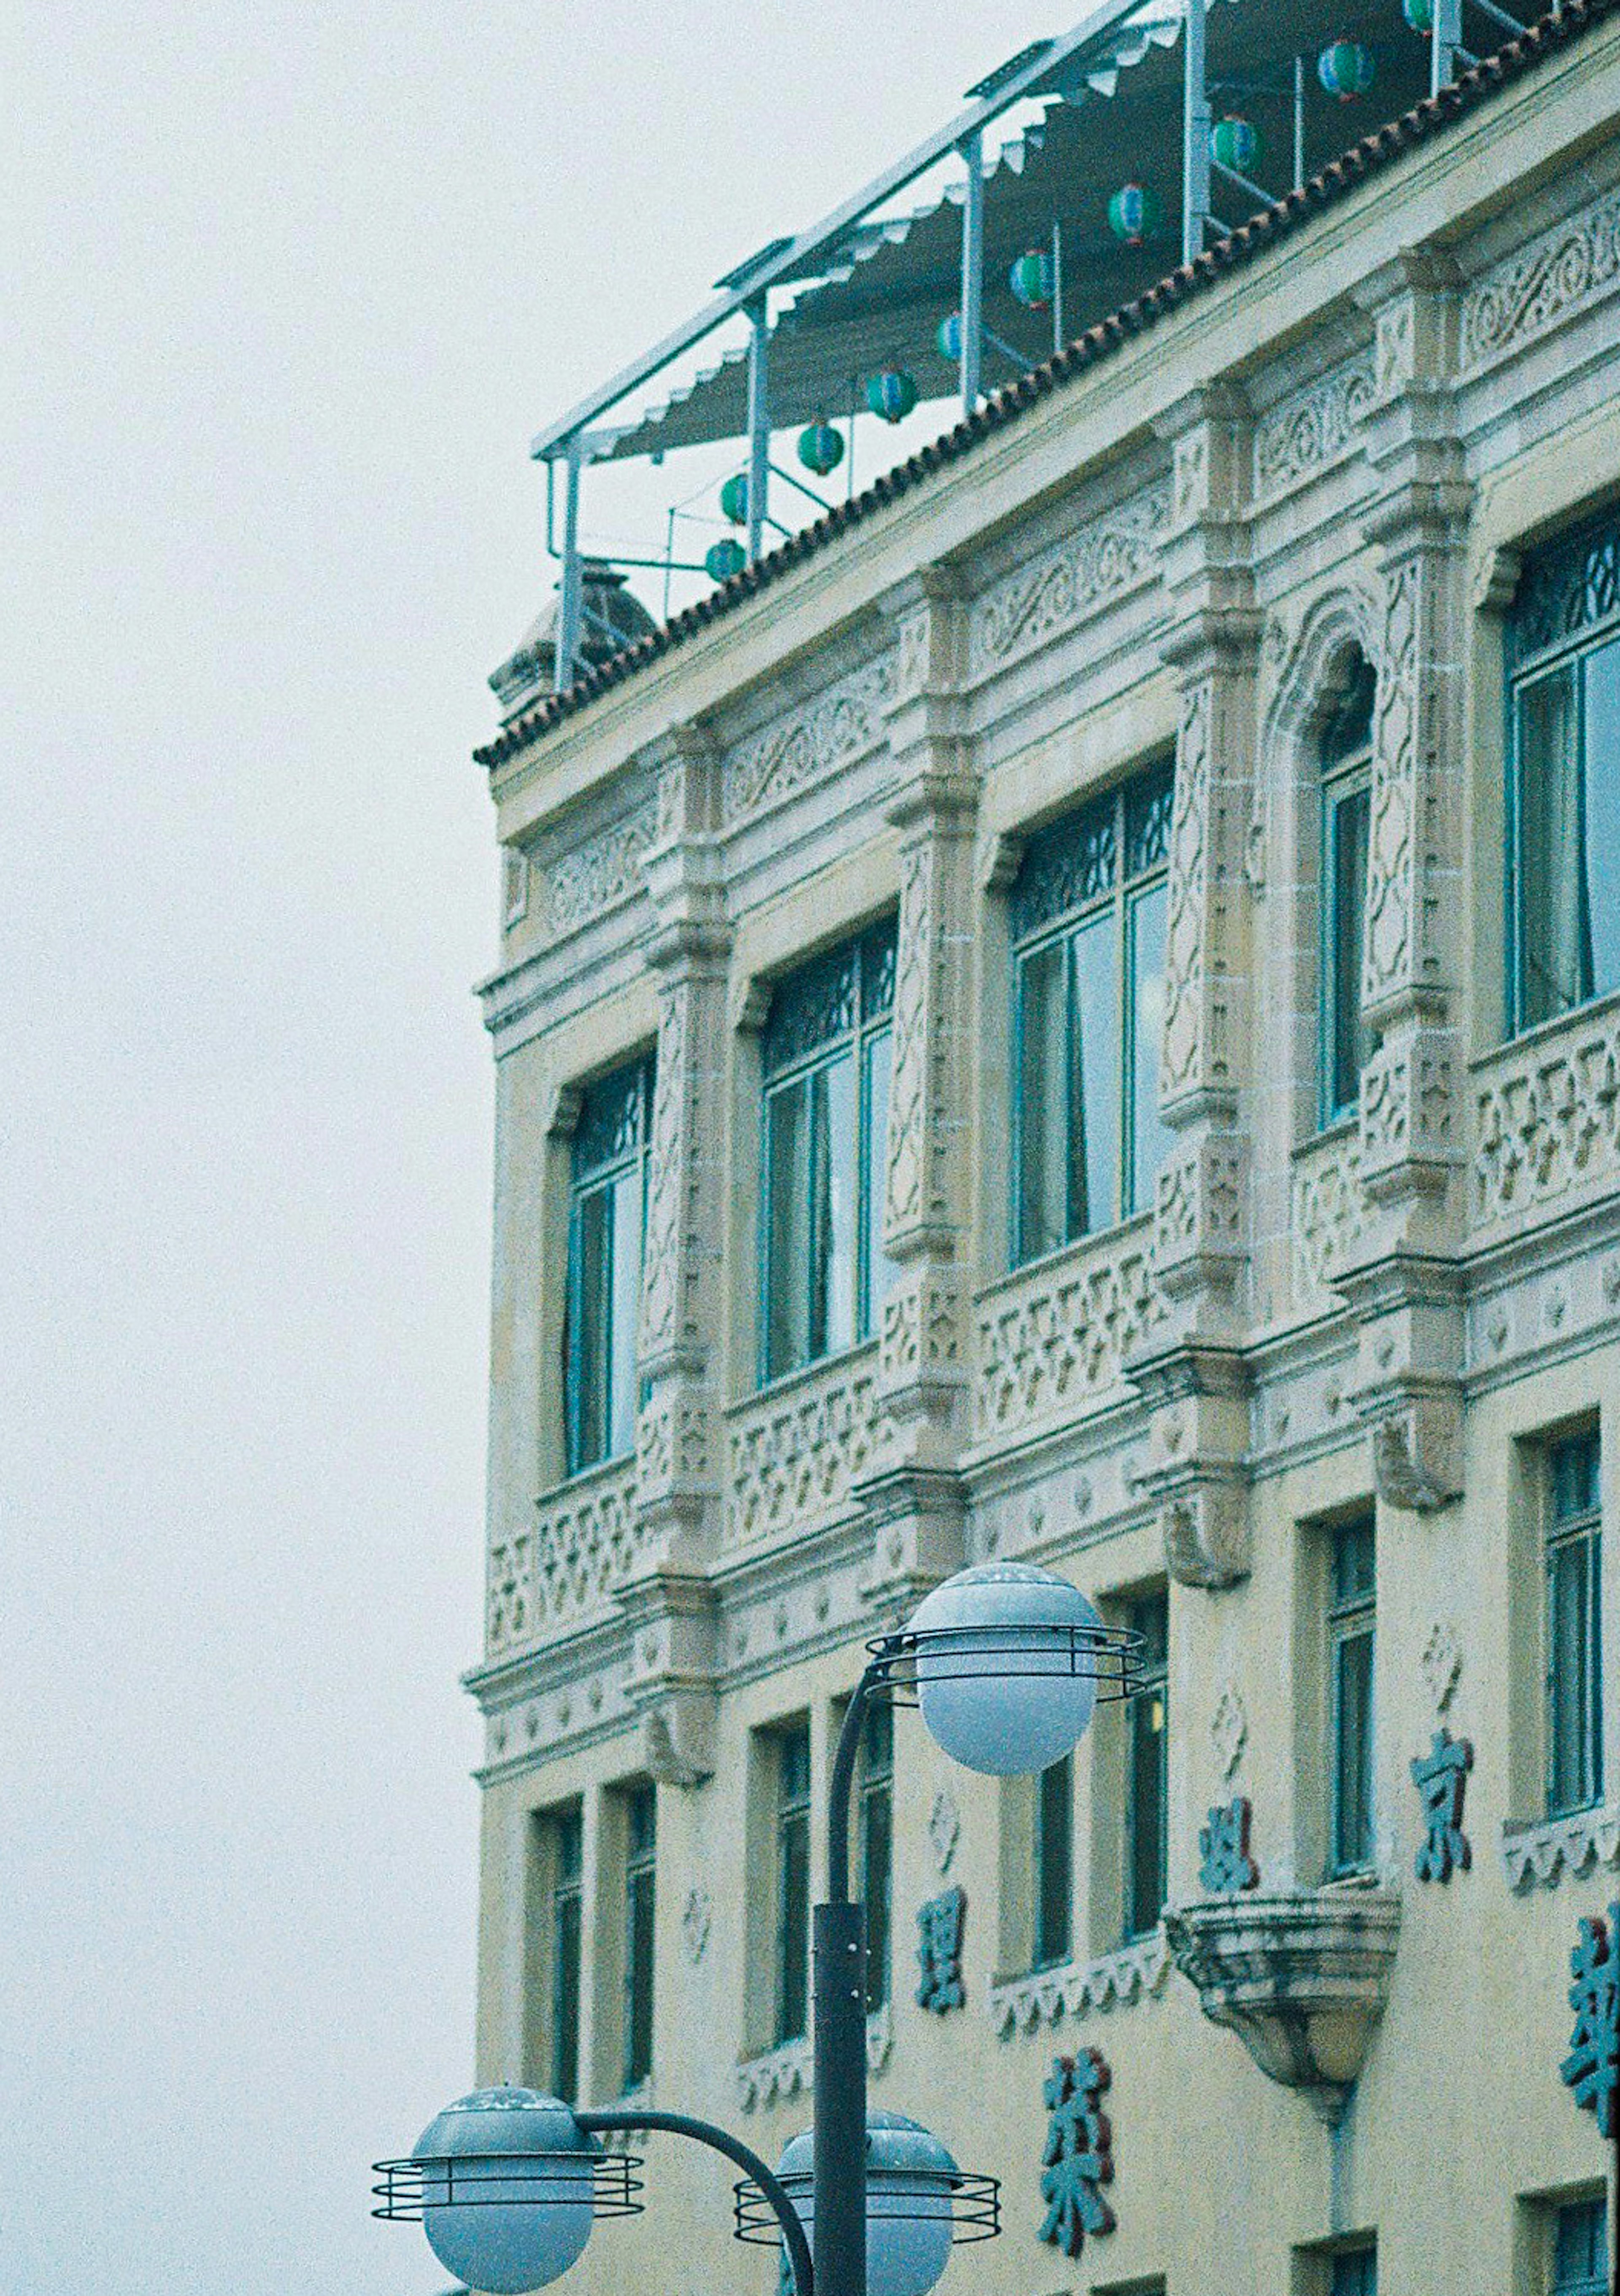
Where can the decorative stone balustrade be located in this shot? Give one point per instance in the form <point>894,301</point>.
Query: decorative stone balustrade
<point>584,1543</point>
<point>1024,2004</point>
<point>1052,1336</point>
<point>1547,1121</point>
<point>1329,1212</point>
<point>797,1451</point>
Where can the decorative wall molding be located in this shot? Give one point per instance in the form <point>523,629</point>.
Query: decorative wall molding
<point>1055,1333</point>
<point>789,2071</point>
<point>1313,427</point>
<point>797,1453</point>
<point>583,1546</point>
<point>841,724</point>
<point>599,874</point>
<point>1117,552</point>
<point>1113,1981</point>
<point>1331,1213</point>
<point>1547,1119</point>
<point>1556,275</point>
<point>1544,1854</point>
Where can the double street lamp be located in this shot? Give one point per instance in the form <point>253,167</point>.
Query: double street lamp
<point>1006,1663</point>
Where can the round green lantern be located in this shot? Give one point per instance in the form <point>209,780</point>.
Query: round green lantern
<point>820,446</point>
<point>1419,14</point>
<point>1033,279</point>
<point>892,394</point>
<point>947,337</point>
<point>1234,144</point>
<point>722,560</point>
<point>1346,69</point>
<point>734,498</point>
<point>1133,214</point>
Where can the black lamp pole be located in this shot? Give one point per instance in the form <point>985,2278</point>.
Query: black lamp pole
<point>839,1956</point>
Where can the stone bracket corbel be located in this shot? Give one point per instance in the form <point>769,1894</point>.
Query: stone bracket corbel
<point>1407,1390</point>
<point>919,1517</point>
<point>1197,1473</point>
<point>671,1682</point>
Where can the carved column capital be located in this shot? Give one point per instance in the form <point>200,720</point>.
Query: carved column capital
<point>1196,1470</point>
<point>670,1680</point>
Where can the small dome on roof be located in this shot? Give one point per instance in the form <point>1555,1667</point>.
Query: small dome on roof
<point>613,618</point>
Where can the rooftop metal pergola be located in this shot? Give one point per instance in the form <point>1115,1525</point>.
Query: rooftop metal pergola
<point>1114,104</point>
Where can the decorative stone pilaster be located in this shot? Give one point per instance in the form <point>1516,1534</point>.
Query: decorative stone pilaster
<point>1202,1219</point>
<point>679,1443</point>
<point>1410,1114</point>
<point>915,1501</point>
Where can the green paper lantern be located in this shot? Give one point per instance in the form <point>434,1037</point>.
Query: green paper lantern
<point>1033,279</point>
<point>734,498</point>
<point>947,337</point>
<point>1346,69</point>
<point>820,446</point>
<point>892,394</point>
<point>1419,14</point>
<point>722,560</point>
<point>1134,214</point>
<point>1234,144</point>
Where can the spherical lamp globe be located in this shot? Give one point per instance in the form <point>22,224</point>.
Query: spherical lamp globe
<point>507,2189</point>
<point>1005,1667</point>
<point>910,2183</point>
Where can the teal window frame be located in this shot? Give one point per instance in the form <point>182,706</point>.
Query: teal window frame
<point>1355,2271</point>
<point>565,1917</point>
<point>1343,1040</point>
<point>1083,889</point>
<point>791,2007</point>
<point>1147,1874</point>
<point>830,1027</point>
<point>1575,1624</point>
<point>1565,618</point>
<point>875,1820</point>
<point>1352,1724</point>
<point>609,1159</point>
<point>640,1815</point>
<point>1052,1893</point>
<point>1578,2245</point>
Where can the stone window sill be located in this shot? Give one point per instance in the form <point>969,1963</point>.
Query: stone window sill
<point>1543,1853</point>
<point>788,2070</point>
<point>1116,1980</point>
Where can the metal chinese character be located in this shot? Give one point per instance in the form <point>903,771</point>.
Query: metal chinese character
<point>1441,1777</point>
<point>1224,1846</point>
<point>1591,2069</point>
<point>1078,2161</point>
<point>939,1951</point>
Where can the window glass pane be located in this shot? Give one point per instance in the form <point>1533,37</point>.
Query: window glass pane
<point>787,1284</point>
<point>1571,1708</point>
<point>1095,1155</point>
<point>1580,2249</point>
<point>592,1327</point>
<point>880,1270</point>
<point>1149,1138</point>
<point>1145,1880</point>
<point>1053,1863</point>
<point>1352,1752</point>
<point>837,1166</point>
<point>640,1886</point>
<point>1602,779</point>
<point>1356,2273</point>
<point>792,1883</point>
<point>1351,1041</point>
<point>1554,911</point>
<point>877,1847</point>
<point>565,1934</point>
<point>624,1314</point>
<point>1043,1125</point>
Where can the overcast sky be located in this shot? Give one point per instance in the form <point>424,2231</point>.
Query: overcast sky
<point>292,288</point>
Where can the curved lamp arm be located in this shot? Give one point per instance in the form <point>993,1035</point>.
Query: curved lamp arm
<point>719,2140</point>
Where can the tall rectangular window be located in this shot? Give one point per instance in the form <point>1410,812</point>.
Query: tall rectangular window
<point>792,1878</point>
<point>1054,1875</point>
<point>1580,2249</point>
<point>1574,1660</point>
<point>827,1054</point>
<point>1564,671</point>
<point>1088,922</point>
<point>1351,1622</point>
<point>1347,765</point>
<point>1355,2272</point>
<point>1146,1775</point>
<point>564,1922</point>
<point>876,1821</point>
<point>607,1211</point>
<point>640,1908</point>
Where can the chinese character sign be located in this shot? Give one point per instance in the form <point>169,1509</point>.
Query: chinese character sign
<point>1224,1846</point>
<point>939,1951</point>
<point>1078,2161</point>
<point>1591,2069</point>
<point>1441,1777</point>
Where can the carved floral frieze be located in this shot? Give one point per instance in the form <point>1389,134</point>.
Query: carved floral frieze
<point>1556,275</point>
<point>1117,552</point>
<point>789,2071</point>
<point>1059,1332</point>
<point>841,724</point>
<point>1310,429</point>
<point>1544,1854</point>
<point>598,873</point>
<point>1547,1120</point>
<point>798,1451</point>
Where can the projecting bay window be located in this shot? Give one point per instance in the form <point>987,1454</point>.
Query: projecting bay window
<point>640,1908</point>
<point>1346,763</point>
<point>1564,681</point>
<point>1088,916</point>
<point>606,1209</point>
<point>1351,1626</point>
<point>1146,1771</point>
<point>792,1850</point>
<point>876,1839</point>
<point>826,1053</point>
<point>1575,1666</point>
<point>1355,2272</point>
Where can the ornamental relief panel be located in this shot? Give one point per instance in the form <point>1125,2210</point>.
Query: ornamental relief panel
<point>797,1453</point>
<point>1330,1213</point>
<point>1547,1120</point>
<point>600,873</point>
<point>1556,275</point>
<point>1184,930</point>
<point>1053,1335</point>
<point>1116,553</point>
<point>1391,861</point>
<point>1312,428</point>
<point>841,724</point>
<point>584,1545</point>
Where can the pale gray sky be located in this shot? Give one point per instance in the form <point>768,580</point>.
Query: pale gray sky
<point>292,288</point>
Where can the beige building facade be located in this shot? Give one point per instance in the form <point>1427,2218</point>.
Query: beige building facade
<point>1077,1021</point>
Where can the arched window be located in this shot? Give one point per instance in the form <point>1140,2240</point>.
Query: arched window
<point>1345,1040</point>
